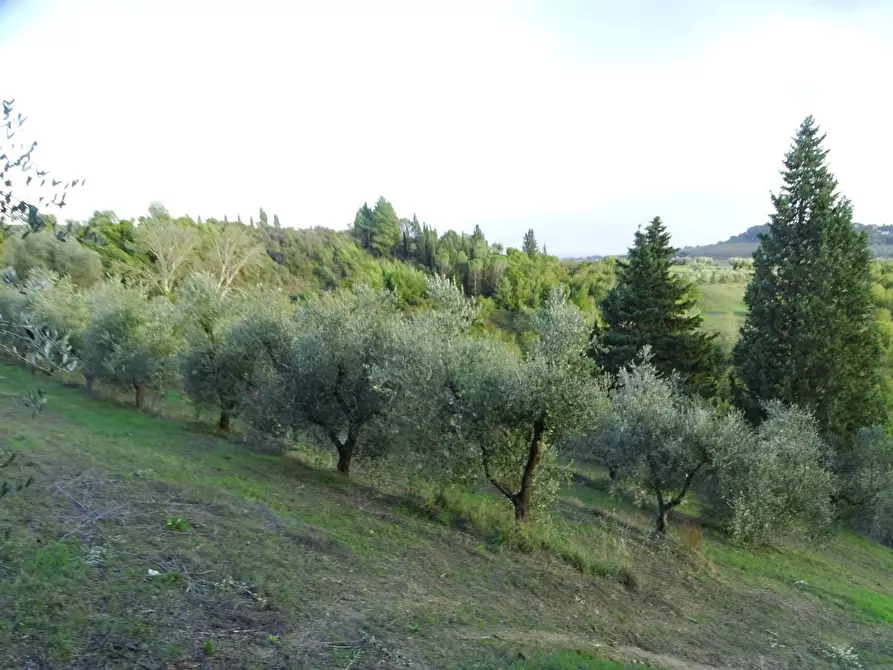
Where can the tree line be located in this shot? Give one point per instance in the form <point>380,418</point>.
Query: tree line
<point>379,343</point>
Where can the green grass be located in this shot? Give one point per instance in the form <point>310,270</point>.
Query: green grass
<point>572,660</point>
<point>853,591</point>
<point>271,561</point>
<point>723,309</point>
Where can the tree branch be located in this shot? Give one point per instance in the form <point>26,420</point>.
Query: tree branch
<point>502,488</point>
<point>688,480</point>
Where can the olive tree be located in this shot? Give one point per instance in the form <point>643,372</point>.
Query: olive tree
<point>525,410</point>
<point>130,342</point>
<point>205,375</point>
<point>774,479</point>
<point>658,438</point>
<point>867,482</point>
<point>29,331</point>
<point>223,331</point>
<point>321,380</point>
<point>430,359</point>
<point>58,303</point>
<point>488,410</point>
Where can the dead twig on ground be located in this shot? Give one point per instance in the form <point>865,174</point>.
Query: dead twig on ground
<point>96,517</point>
<point>77,502</point>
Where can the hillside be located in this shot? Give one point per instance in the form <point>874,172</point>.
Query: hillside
<point>880,239</point>
<point>264,560</point>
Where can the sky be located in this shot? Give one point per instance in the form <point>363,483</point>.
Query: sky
<point>581,119</point>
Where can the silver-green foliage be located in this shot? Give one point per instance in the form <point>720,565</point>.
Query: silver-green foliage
<point>472,407</point>
<point>131,340</point>
<point>421,373</point>
<point>29,329</point>
<point>774,479</point>
<point>719,276</point>
<point>320,374</point>
<point>222,343</point>
<point>658,439</point>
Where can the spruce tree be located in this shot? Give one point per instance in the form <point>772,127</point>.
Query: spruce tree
<point>651,305</point>
<point>529,246</point>
<point>810,337</point>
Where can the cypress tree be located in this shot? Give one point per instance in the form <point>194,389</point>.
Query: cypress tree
<point>810,337</point>
<point>651,305</point>
<point>529,245</point>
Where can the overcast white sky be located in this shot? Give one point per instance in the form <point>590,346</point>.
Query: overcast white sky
<point>580,119</point>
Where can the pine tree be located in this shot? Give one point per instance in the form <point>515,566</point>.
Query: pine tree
<point>529,245</point>
<point>361,230</point>
<point>386,231</point>
<point>651,305</point>
<point>810,337</point>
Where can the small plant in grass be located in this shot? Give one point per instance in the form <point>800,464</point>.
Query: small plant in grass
<point>208,648</point>
<point>844,657</point>
<point>176,524</point>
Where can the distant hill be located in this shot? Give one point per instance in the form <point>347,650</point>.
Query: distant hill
<point>880,239</point>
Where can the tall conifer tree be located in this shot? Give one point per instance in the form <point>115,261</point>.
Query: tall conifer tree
<point>529,245</point>
<point>810,337</point>
<point>652,305</point>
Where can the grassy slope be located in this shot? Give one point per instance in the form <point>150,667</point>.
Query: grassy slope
<point>284,565</point>
<point>723,309</point>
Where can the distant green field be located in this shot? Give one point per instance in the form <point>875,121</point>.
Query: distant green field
<point>723,309</point>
